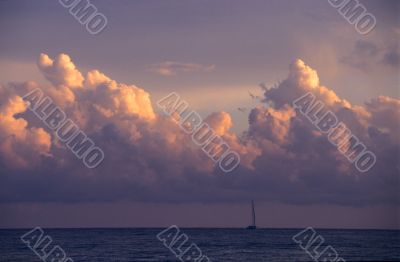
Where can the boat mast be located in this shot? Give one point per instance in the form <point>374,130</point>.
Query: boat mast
<point>253,213</point>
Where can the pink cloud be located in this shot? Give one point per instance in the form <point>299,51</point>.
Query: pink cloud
<point>283,157</point>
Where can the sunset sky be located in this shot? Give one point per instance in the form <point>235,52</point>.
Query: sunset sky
<point>216,55</point>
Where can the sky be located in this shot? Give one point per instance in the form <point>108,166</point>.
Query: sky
<point>240,65</point>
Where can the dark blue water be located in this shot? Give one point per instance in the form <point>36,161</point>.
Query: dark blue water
<point>237,245</point>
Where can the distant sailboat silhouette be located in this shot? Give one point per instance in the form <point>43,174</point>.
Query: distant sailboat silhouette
<point>253,216</point>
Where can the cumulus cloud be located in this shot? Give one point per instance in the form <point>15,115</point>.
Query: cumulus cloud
<point>220,122</point>
<point>384,114</point>
<point>19,145</point>
<point>171,68</point>
<point>149,158</point>
<point>60,71</point>
<point>301,79</point>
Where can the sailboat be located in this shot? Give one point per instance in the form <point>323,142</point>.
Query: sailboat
<point>253,216</point>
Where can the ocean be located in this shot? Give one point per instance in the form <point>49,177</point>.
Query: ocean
<point>235,245</point>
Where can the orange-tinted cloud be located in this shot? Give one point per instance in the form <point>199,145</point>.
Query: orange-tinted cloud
<point>148,156</point>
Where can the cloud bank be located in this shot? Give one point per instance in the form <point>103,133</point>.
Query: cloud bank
<point>149,158</point>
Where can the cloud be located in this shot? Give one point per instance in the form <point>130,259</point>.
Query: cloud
<point>362,55</point>
<point>366,54</point>
<point>60,71</point>
<point>301,79</point>
<point>392,58</point>
<point>171,68</point>
<point>384,113</point>
<point>148,157</point>
<point>19,145</point>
